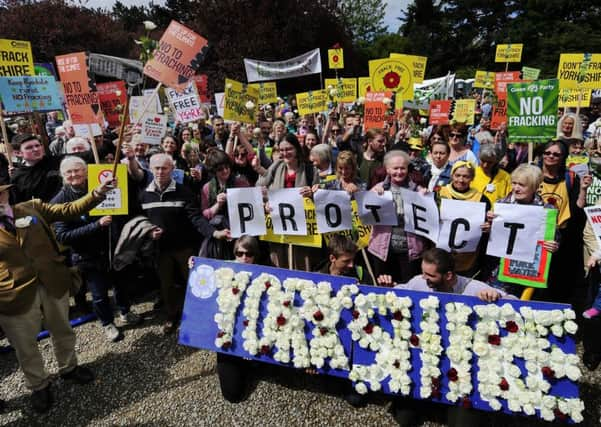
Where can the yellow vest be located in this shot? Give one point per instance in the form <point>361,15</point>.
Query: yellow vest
<point>500,185</point>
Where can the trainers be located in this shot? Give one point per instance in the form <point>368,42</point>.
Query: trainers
<point>41,400</point>
<point>130,318</point>
<point>79,375</point>
<point>591,312</point>
<point>111,332</point>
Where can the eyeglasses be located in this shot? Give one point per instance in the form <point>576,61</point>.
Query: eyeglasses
<point>552,154</point>
<point>240,254</point>
<point>455,135</point>
<point>241,155</point>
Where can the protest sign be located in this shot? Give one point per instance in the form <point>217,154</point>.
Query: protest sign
<point>185,104</point>
<point>237,100</point>
<point>156,95</point>
<point>28,94</point>
<point>202,87</point>
<point>439,112</point>
<point>499,110</point>
<point>302,65</point>
<point>287,212</point>
<point>532,111</point>
<point>515,231</point>
<point>579,71</point>
<point>460,225</point>
<point>421,214</point>
<point>374,110</point>
<point>177,56</point>
<point>307,320</point>
<point>45,69</point>
<point>80,89</point>
<point>246,211</point>
<point>329,213</point>
<point>154,128</point>
<point>311,239</point>
<point>376,209</point>
<point>464,111</point>
<point>137,104</point>
<point>311,102</point>
<point>360,232</point>
<point>116,199</point>
<point>346,88</point>
<point>529,73</point>
<point>484,79</point>
<point>509,52</point>
<point>268,92</point>
<point>593,214</point>
<point>84,130</point>
<point>363,86</point>
<point>533,274</point>
<point>395,75</point>
<point>16,58</point>
<point>219,102</point>
<point>113,98</point>
<point>574,98</point>
<point>336,59</point>
<point>418,63</point>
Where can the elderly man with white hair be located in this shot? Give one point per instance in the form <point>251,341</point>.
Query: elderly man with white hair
<point>77,144</point>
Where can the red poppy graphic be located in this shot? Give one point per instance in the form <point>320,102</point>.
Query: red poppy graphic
<point>335,58</point>
<point>392,80</point>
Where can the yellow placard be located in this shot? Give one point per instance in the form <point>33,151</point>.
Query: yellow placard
<point>313,237</point>
<point>236,100</point>
<point>360,233</point>
<point>311,102</point>
<point>579,70</point>
<point>394,75</point>
<point>484,79</point>
<point>16,58</point>
<point>346,88</point>
<point>509,52</point>
<point>335,58</point>
<point>464,111</point>
<point>116,200</point>
<point>268,92</point>
<point>363,86</point>
<point>419,65</point>
<point>569,98</point>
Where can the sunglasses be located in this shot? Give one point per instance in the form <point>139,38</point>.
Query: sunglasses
<point>241,155</point>
<point>240,254</point>
<point>335,130</point>
<point>552,154</point>
<point>455,135</point>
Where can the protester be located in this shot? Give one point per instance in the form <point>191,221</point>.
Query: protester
<point>440,169</point>
<point>371,159</point>
<point>459,151</point>
<point>490,179</point>
<point>321,158</point>
<point>347,178</point>
<point>569,126</point>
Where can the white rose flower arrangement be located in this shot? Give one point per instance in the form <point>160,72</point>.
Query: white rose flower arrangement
<point>231,288</point>
<point>429,342</point>
<point>459,351</point>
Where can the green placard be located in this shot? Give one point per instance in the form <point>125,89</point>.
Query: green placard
<point>531,274</point>
<point>532,110</point>
<point>529,73</point>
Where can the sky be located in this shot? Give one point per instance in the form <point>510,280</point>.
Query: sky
<point>393,9</point>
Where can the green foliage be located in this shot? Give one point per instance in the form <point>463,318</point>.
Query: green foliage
<point>363,19</point>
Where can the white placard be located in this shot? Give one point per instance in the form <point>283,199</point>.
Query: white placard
<point>84,130</point>
<point>460,225</point>
<point>375,209</point>
<point>421,214</point>
<point>154,127</point>
<point>137,105</point>
<point>333,211</point>
<point>288,212</point>
<point>246,211</point>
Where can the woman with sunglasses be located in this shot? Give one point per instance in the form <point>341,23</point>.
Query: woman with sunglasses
<point>242,154</point>
<point>459,151</point>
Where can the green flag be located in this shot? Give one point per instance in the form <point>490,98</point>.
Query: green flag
<point>532,110</point>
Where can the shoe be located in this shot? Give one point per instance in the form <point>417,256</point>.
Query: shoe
<point>41,400</point>
<point>130,318</point>
<point>170,327</point>
<point>591,360</point>
<point>111,332</point>
<point>591,312</point>
<point>79,375</point>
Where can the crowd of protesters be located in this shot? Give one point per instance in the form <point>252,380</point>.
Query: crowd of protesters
<point>178,206</point>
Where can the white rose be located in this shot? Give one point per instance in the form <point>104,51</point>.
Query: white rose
<point>149,25</point>
<point>495,404</point>
<point>557,330</point>
<point>570,326</point>
<point>361,388</point>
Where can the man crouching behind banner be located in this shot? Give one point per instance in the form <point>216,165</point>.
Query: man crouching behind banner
<point>35,284</point>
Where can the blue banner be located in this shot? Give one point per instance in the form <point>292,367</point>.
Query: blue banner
<point>30,93</point>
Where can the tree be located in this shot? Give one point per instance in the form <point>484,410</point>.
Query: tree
<point>363,19</point>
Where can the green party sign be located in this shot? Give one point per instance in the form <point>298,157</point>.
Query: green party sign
<point>532,110</point>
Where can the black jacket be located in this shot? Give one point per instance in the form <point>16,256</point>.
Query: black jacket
<point>40,181</point>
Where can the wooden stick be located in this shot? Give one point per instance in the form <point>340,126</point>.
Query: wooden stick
<point>93,145</point>
<point>530,152</point>
<point>9,148</point>
<point>290,256</point>
<point>506,66</point>
<point>368,265</point>
<point>124,117</point>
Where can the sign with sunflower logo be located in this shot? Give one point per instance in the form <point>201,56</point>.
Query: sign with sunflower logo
<point>392,74</point>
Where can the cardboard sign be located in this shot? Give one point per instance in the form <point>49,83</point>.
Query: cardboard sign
<point>376,209</point>
<point>177,57</point>
<point>28,94</point>
<point>484,79</point>
<point>593,214</point>
<point>219,102</point>
<point>574,98</point>
<point>374,111</point>
<point>464,111</point>
<point>202,87</point>
<point>185,104</point>
<point>154,128</point>
<point>113,98</point>
<point>329,211</point>
<point>532,111</point>
<point>460,225</point>
<point>395,75</point>
<point>360,232</point>
<point>236,101</point>
<point>16,58</point>
<point>312,102</point>
<point>419,65</point>
<point>363,86</point>
<point>439,112</point>
<point>116,199</point>
<point>80,89</point>
<point>336,59</point>
<point>311,239</point>
<point>509,52</point>
<point>579,71</point>
<point>421,214</point>
<point>346,88</point>
<point>287,212</point>
<point>268,92</point>
<point>499,110</point>
<point>137,104</point>
<point>529,73</point>
<point>245,211</point>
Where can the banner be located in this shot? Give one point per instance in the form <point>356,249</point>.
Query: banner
<point>529,73</point>
<point>511,356</point>
<point>154,128</point>
<point>114,67</point>
<point>432,89</point>
<point>116,199</point>
<point>418,63</point>
<point>336,59</point>
<point>268,92</point>
<point>177,57</point>
<point>302,65</point>
<point>484,79</point>
<point>464,111</point>
<point>569,98</point>
<point>28,94</point>
<point>311,102</point>
<point>532,111</point>
<point>579,71</point>
<point>374,110</point>
<point>185,104</point>
<point>395,75</point>
<point>439,112</point>
<point>509,52</point>
<point>16,58</point>
<point>346,88</point>
<point>363,86</point>
<point>113,98</point>
<point>80,89</point>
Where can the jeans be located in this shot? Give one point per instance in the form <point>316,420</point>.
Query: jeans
<point>99,282</point>
<point>597,301</point>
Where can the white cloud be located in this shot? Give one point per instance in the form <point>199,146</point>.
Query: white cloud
<point>393,11</point>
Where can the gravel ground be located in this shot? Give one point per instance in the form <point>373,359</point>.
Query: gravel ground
<point>149,380</point>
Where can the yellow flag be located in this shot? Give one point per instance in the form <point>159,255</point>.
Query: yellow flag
<point>509,52</point>
<point>395,75</point>
<point>335,58</point>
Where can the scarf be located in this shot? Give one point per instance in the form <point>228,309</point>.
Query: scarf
<point>436,172</point>
<point>448,192</point>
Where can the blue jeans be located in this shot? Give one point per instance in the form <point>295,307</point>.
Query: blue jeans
<point>99,282</point>
<point>597,301</point>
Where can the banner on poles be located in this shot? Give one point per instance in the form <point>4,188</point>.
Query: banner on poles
<point>237,100</point>
<point>532,110</point>
<point>302,65</point>
<point>418,64</point>
<point>395,75</point>
<point>16,58</point>
<point>113,98</point>
<point>346,88</point>
<point>30,93</point>
<point>579,71</point>
<point>268,92</point>
<point>185,104</point>
<point>314,101</point>
<point>336,59</point>
<point>509,52</point>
